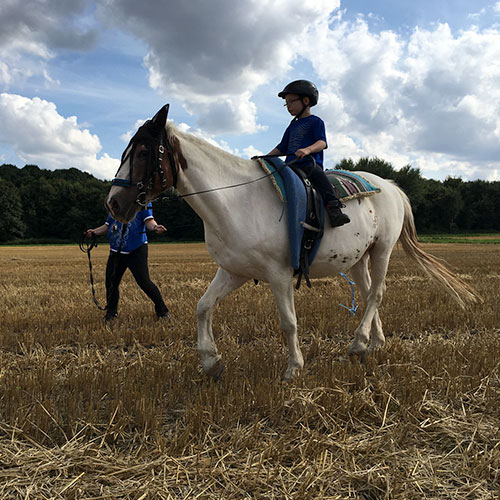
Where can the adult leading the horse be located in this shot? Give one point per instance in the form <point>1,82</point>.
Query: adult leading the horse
<point>247,237</point>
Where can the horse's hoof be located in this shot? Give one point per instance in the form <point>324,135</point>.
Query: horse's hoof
<point>290,374</point>
<point>358,353</point>
<point>358,356</point>
<point>376,345</point>
<point>216,371</point>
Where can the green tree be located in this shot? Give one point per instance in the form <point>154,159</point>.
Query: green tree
<point>182,222</point>
<point>11,224</point>
<point>38,196</point>
<point>413,184</point>
<point>481,206</point>
<point>376,166</point>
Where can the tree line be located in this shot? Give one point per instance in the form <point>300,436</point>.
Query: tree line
<point>452,205</point>
<point>43,206</point>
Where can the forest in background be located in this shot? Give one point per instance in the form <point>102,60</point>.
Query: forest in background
<point>45,206</point>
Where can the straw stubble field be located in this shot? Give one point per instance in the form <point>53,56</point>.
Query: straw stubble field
<point>92,412</point>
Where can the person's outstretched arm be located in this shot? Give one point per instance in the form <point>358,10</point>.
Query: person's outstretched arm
<point>152,225</point>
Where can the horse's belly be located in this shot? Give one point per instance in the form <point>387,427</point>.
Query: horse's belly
<point>342,247</point>
<point>248,256</point>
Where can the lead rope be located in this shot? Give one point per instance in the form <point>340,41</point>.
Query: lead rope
<point>86,247</point>
<point>354,307</point>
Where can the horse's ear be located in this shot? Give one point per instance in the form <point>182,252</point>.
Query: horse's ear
<point>160,119</point>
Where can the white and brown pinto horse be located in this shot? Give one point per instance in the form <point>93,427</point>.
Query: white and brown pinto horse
<point>247,237</point>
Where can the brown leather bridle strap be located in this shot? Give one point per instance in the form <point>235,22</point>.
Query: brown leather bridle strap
<point>146,184</point>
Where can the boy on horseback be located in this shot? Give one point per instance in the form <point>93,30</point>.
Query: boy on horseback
<point>304,137</point>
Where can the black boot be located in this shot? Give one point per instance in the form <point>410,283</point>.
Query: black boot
<point>110,316</point>
<point>337,218</point>
<point>162,312</point>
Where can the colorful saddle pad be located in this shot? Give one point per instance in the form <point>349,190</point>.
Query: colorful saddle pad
<point>350,185</point>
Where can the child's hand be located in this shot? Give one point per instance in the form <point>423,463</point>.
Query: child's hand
<point>300,153</point>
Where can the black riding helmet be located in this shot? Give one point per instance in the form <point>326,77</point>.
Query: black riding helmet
<point>302,88</point>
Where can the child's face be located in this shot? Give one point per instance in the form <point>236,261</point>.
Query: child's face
<point>295,104</point>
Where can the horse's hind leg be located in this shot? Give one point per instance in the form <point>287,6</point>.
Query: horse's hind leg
<point>223,283</point>
<point>283,293</point>
<point>379,260</point>
<point>361,275</point>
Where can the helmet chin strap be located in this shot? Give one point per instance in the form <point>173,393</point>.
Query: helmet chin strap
<point>304,107</point>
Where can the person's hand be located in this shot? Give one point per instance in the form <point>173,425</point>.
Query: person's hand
<point>159,228</point>
<point>300,153</point>
<point>89,233</point>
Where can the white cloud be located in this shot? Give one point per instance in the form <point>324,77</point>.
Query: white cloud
<point>40,135</point>
<point>435,94</point>
<point>437,166</point>
<point>30,32</point>
<point>454,84</point>
<point>250,151</point>
<point>213,55</point>
<point>184,127</point>
<point>128,135</point>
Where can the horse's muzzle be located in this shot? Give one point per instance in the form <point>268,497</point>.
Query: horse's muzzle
<point>112,206</point>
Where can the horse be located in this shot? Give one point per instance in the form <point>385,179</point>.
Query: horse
<point>247,236</point>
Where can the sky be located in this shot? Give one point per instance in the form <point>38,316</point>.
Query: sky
<point>413,83</point>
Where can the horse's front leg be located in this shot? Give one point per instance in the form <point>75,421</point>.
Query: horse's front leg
<point>223,283</point>
<point>283,293</point>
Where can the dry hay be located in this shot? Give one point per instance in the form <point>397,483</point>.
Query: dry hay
<point>90,412</point>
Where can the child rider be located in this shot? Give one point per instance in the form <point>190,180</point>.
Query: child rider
<point>306,136</point>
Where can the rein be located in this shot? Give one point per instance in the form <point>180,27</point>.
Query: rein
<point>244,183</point>
<point>149,177</point>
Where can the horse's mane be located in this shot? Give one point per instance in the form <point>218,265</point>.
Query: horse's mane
<point>174,134</point>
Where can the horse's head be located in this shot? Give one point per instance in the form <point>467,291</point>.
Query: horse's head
<point>148,167</point>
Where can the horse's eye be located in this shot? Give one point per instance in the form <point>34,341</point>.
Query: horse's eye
<point>143,154</point>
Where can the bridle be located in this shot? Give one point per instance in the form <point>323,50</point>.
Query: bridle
<point>156,143</point>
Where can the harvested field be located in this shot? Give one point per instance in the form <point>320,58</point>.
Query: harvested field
<point>93,412</point>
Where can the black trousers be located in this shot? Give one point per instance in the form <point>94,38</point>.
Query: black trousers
<point>137,262</point>
<point>320,181</point>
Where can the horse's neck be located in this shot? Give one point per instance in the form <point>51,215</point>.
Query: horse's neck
<point>208,172</point>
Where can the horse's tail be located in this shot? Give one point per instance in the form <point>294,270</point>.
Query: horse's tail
<point>458,289</point>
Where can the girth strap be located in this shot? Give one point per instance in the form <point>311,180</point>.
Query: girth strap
<point>313,227</point>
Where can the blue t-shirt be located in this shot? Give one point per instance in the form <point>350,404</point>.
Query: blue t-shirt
<point>301,134</point>
<point>134,235</point>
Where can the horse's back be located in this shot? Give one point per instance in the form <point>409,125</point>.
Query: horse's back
<point>389,206</point>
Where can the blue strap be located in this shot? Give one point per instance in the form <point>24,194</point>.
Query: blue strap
<point>122,182</point>
<point>354,306</point>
